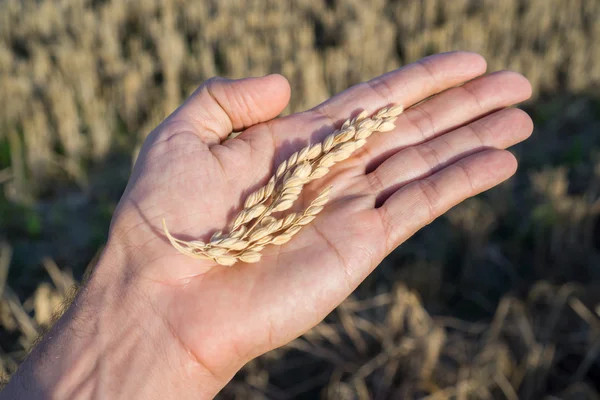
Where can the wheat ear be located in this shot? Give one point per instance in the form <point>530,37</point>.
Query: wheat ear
<point>255,227</point>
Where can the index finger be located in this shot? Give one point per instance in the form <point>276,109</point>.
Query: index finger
<point>407,86</point>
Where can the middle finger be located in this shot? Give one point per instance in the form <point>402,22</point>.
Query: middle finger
<point>445,112</point>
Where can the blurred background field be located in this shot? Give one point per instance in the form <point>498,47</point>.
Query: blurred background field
<point>498,299</point>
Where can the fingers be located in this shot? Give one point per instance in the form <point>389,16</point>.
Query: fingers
<point>221,106</point>
<point>501,129</point>
<point>417,204</point>
<point>447,111</point>
<point>407,86</point>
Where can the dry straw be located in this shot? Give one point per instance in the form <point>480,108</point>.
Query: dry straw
<point>258,225</point>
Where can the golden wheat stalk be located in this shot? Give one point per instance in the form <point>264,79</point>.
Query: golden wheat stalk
<point>255,227</point>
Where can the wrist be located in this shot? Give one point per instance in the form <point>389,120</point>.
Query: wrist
<point>111,344</point>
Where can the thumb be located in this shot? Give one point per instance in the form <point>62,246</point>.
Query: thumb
<point>220,105</point>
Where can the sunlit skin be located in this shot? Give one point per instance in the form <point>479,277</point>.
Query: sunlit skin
<point>207,320</point>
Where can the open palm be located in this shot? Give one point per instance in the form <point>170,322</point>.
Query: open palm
<point>442,151</point>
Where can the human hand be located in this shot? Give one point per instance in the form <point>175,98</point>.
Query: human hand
<point>210,319</point>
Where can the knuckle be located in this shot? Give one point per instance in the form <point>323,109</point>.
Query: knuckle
<point>381,87</point>
<point>375,182</point>
<point>431,197</point>
<point>427,153</point>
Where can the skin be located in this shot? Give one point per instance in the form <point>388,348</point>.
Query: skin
<point>152,323</point>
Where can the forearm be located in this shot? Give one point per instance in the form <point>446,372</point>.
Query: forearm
<point>109,344</point>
